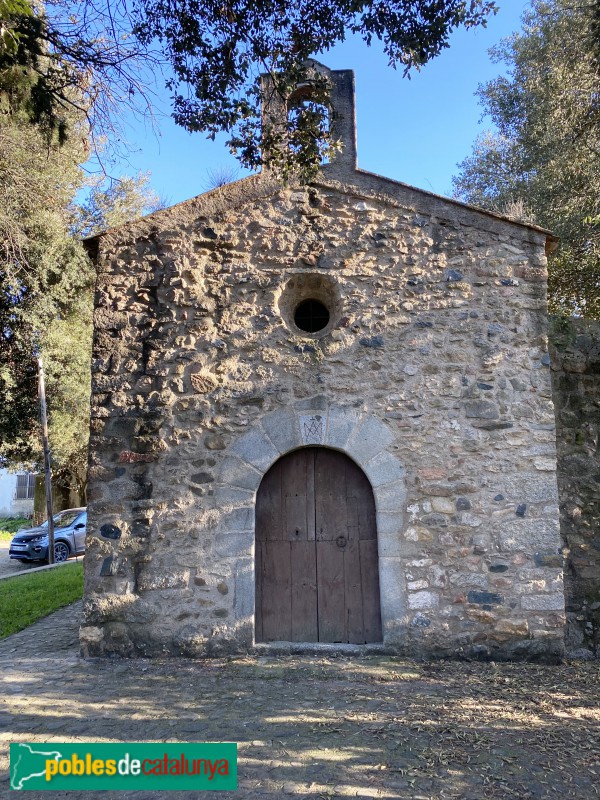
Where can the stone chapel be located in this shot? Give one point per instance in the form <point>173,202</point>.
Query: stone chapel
<point>323,415</point>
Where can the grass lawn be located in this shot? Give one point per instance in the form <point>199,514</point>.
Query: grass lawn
<point>26,598</point>
<point>10,525</point>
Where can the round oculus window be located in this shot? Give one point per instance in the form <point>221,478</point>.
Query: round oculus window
<point>311,316</point>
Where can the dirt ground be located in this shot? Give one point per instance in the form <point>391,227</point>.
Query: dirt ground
<point>318,727</point>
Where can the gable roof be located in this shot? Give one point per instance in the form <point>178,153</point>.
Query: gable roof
<point>362,184</point>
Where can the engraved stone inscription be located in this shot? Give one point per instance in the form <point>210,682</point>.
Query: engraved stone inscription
<point>312,429</point>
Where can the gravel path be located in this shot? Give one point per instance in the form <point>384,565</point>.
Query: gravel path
<point>317,727</point>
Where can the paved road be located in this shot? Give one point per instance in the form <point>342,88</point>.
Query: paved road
<point>10,566</point>
<point>316,727</point>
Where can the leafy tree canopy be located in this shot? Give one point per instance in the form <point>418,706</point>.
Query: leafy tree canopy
<point>46,278</point>
<point>542,161</point>
<point>42,270</point>
<point>112,202</point>
<point>214,54</point>
<point>216,51</point>
<point>65,57</point>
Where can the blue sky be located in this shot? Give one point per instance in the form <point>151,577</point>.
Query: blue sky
<point>414,130</point>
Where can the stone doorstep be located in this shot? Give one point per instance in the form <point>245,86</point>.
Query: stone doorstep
<point>319,648</point>
<point>40,569</point>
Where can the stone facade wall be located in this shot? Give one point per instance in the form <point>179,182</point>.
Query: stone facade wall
<point>575,354</point>
<point>433,375</point>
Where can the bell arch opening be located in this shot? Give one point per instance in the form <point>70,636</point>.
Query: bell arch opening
<point>316,554</point>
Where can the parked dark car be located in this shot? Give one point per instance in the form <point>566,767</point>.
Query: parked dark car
<point>31,544</point>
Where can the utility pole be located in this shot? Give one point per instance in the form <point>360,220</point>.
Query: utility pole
<point>48,474</point>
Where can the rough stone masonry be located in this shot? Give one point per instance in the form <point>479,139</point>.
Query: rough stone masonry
<point>432,375</point>
<point>575,355</point>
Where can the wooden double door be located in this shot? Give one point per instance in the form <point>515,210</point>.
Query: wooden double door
<point>317,576</point>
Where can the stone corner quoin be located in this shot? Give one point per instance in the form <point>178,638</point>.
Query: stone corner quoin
<point>432,375</point>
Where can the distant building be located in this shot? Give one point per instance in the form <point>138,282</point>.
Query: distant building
<point>16,493</point>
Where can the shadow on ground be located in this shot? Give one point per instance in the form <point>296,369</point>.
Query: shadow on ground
<point>318,727</point>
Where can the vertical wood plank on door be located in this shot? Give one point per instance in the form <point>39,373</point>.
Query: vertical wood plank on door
<point>330,590</point>
<point>276,591</point>
<point>360,497</point>
<point>353,593</point>
<point>267,524</point>
<point>369,567</point>
<point>295,496</point>
<point>351,555</point>
<point>330,523</point>
<point>310,494</point>
<point>304,592</point>
<point>258,594</point>
<point>330,495</point>
<point>269,506</point>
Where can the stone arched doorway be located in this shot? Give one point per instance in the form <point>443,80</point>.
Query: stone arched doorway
<point>317,577</point>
